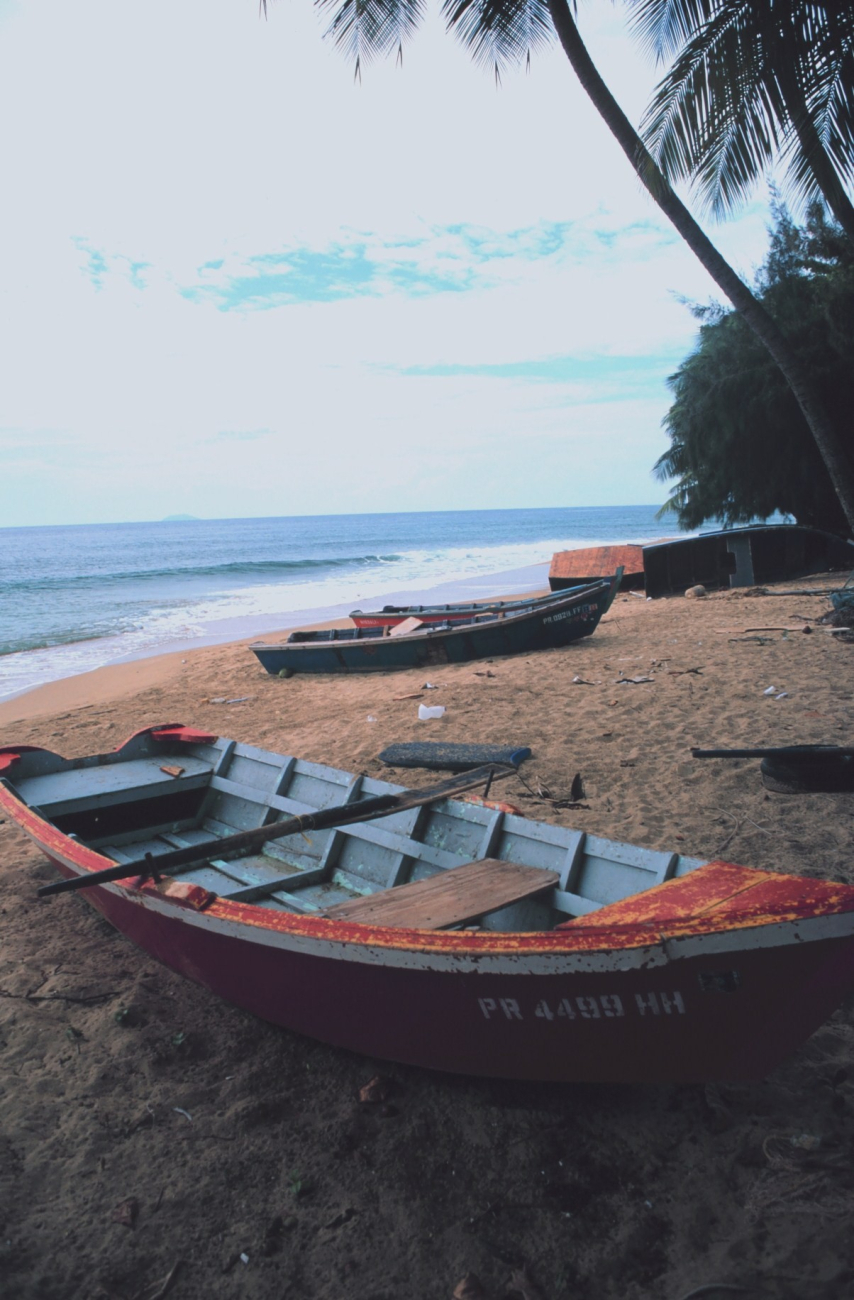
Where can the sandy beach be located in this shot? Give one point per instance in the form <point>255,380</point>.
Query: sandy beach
<point>155,1141</point>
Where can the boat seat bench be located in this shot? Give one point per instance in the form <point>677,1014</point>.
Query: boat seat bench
<point>81,789</point>
<point>450,897</point>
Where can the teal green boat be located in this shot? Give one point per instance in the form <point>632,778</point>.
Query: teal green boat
<point>536,626</point>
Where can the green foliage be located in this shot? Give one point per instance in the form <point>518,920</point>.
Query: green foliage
<point>740,447</point>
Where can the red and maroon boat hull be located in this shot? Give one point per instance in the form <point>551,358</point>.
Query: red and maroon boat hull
<point>718,973</point>
<point>728,1005</point>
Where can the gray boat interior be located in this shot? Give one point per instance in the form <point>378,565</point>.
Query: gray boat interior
<point>472,607</point>
<point>322,635</point>
<point>131,804</point>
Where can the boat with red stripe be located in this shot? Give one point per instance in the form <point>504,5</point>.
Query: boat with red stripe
<point>421,927</point>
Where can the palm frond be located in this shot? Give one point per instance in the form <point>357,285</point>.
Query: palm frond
<point>827,78</point>
<point>755,81</point>
<point>368,29</point>
<point>500,33</point>
<point>716,116</point>
<point>664,26</point>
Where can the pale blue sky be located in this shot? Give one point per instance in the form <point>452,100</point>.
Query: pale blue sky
<point>236,283</point>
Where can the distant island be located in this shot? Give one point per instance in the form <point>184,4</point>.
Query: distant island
<point>179,519</point>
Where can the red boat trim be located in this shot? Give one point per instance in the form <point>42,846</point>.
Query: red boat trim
<point>177,731</point>
<point>11,754</point>
<point>724,898</point>
<point>52,840</point>
<point>659,950</point>
<point>171,731</point>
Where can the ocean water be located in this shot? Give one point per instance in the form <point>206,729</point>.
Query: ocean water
<point>78,597</point>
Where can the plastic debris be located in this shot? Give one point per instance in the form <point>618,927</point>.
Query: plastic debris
<point>772,690</point>
<point>430,711</point>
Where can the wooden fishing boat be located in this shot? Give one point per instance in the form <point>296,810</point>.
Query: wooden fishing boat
<point>535,626</point>
<point>592,563</point>
<point>743,557</point>
<point>452,935</point>
<point>732,557</point>
<point>394,615</point>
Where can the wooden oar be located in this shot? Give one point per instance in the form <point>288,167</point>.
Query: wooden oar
<point>233,845</point>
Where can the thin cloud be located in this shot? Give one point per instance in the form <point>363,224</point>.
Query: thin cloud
<point>605,378</point>
<point>453,259</point>
<point>239,435</point>
<point>306,275</point>
<point>447,259</point>
<point>95,266</point>
<point>98,266</point>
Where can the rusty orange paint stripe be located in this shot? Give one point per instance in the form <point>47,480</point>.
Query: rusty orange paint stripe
<point>713,899</point>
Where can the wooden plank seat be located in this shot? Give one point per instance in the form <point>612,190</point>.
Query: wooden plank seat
<point>78,789</point>
<point>450,897</point>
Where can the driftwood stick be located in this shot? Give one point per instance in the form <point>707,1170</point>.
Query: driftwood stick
<point>781,751</point>
<point>232,845</point>
<point>801,591</point>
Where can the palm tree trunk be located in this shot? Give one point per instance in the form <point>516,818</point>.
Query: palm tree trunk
<point>828,438</point>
